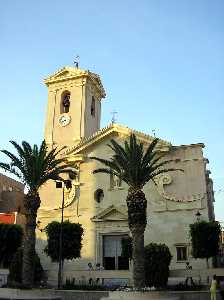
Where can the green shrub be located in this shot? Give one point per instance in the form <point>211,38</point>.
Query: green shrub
<point>157,261</point>
<point>205,239</point>
<point>71,240</point>
<point>10,240</point>
<point>15,269</point>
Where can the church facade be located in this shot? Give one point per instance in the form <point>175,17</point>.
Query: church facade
<point>98,202</point>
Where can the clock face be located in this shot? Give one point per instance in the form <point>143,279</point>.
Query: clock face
<point>64,120</point>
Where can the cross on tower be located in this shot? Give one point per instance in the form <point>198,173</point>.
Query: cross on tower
<point>154,132</point>
<point>76,61</point>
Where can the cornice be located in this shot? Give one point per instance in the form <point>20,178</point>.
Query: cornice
<point>180,160</point>
<point>68,73</point>
<point>119,129</point>
<point>201,145</point>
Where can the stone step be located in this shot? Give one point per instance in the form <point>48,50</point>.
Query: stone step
<point>148,295</point>
<point>29,297</point>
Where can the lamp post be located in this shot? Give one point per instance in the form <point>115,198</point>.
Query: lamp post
<point>59,185</point>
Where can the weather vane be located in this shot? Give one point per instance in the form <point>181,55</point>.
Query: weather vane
<point>76,61</point>
<point>114,119</point>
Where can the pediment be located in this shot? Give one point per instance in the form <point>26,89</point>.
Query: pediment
<point>73,73</point>
<point>123,132</point>
<point>62,74</point>
<point>65,73</point>
<point>112,213</point>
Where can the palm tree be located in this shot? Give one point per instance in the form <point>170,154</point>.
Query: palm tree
<point>135,167</point>
<point>33,166</point>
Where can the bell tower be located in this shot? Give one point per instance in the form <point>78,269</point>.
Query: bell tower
<point>74,106</point>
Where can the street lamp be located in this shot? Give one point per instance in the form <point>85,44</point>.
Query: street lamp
<point>68,185</point>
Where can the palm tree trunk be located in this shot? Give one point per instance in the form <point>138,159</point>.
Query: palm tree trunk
<point>137,205</point>
<point>32,203</point>
<point>138,256</point>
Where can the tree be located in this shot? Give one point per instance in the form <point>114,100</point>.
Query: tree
<point>205,239</point>
<point>71,240</point>
<point>126,247</point>
<point>135,167</point>
<point>157,261</point>
<point>34,166</point>
<point>10,240</point>
<point>15,269</point>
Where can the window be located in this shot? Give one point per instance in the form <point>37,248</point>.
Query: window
<point>98,195</point>
<point>93,107</point>
<point>65,102</point>
<point>181,253</point>
<point>112,249</point>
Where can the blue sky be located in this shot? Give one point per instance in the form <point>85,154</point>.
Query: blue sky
<point>161,63</point>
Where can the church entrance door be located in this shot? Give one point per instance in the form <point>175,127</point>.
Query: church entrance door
<point>112,250</point>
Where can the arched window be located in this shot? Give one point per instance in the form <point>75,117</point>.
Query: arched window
<point>98,195</point>
<point>93,107</point>
<point>65,102</point>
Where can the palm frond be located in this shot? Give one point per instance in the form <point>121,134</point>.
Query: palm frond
<point>155,166</point>
<point>131,164</point>
<point>26,147</point>
<point>153,175</point>
<point>18,148</point>
<point>5,166</point>
<point>9,168</point>
<point>106,171</point>
<point>153,158</point>
<point>149,151</point>
<point>109,163</point>
<point>15,161</point>
<point>118,149</point>
<point>35,165</point>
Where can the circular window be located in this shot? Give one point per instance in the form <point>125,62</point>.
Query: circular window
<point>98,195</point>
